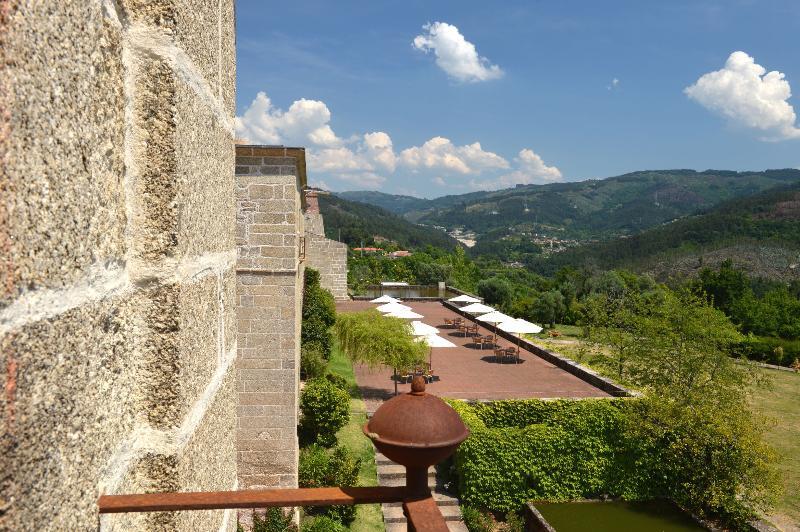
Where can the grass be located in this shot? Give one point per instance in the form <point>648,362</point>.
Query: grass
<point>369,517</point>
<point>780,403</point>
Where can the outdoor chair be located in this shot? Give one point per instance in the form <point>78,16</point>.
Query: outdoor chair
<point>450,323</point>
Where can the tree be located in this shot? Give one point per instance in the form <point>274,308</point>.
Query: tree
<point>550,306</point>
<point>495,291</point>
<point>373,339</point>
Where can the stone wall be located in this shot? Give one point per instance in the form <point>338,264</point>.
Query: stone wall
<point>327,256</point>
<point>269,312</point>
<point>117,269</point>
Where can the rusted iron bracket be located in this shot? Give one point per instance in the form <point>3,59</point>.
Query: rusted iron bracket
<point>422,512</point>
<point>219,500</point>
<point>424,516</point>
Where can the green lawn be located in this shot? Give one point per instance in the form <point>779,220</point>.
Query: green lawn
<point>368,516</point>
<point>781,403</point>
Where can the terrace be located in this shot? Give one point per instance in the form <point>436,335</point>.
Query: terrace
<point>469,372</point>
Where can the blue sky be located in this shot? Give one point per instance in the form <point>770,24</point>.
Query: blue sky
<point>530,82</point>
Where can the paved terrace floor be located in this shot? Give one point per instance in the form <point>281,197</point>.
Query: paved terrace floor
<point>470,373</point>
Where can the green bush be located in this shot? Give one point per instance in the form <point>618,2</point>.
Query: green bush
<point>321,467</point>
<point>323,524</point>
<point>477,521</point>
<point>338,381</point>
<point>770,350</point>
<point>324,408</point>
<point>319,314</point>
<point>273,520</point>
<point>636,449</point>
<point>312,362</point>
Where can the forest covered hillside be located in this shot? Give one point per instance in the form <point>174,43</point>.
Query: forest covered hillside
<point>358,224</point>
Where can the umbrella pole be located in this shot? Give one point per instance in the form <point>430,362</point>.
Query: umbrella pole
<point>519,341</point>
<point>395,381</point>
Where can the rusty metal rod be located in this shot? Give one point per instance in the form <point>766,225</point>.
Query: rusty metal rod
<point>219,500</point>
<point>424,516</point>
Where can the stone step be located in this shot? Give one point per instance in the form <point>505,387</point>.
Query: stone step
<point>398,471</point>
<point>401,481</point>
<point>454,526</point>
<point>394,514</point>
<point>441,498</point>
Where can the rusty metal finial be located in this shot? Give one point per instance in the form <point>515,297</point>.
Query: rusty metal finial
<point>418,385</point>
<point>416,430</point>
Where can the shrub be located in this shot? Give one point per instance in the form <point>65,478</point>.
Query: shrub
<point>637,449</point>
<point>770,350</point>
<point>319,314</point>
<point>273,520</point>
<point>325,408</point>
<point>312,363</point>
<point>338,381</point>
<point>323,524</point>
<point>321,467</point>
<point>477,521</point>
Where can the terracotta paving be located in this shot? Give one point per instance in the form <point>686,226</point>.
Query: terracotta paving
<point>471,373</point>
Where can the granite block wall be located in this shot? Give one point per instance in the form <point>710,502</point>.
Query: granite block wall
<point>117,278</point>
<point>269,312</point>
<point>325,255</point>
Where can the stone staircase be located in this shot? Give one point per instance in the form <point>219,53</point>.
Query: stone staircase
<point>391,474</point>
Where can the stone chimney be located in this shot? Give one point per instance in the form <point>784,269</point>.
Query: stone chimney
<point>312,202</point>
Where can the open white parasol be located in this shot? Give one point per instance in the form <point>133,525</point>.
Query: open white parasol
<point>392,307</point>
<point>477,308</point>
<point>464,298</point>
<point>386,299</point>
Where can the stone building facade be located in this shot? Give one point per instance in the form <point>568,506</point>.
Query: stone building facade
<point>269,201</point>
<point>117,259</point>
<point>327,256</point>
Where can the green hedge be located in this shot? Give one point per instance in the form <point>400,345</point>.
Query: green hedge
<point>532,449</point>
<point>636,449</point>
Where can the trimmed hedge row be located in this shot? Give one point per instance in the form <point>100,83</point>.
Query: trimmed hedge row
<point>522,450</point>
<point>531,449</point>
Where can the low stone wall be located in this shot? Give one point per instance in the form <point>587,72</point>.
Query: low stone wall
<point>582,372</point>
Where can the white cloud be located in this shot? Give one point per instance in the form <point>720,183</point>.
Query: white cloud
<point>454,54</point>
<point>745,93</point>
<point>378,148</point>
<point>441,154</point>
<point>365,160</point>
<point>304,123</point>
<point>614,84</point>
<point>530,169</point>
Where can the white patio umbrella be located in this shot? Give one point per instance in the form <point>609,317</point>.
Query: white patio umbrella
<point>386,299</point>
<point>434,340</point>
<point>392,307</point>
<point>422,329</point>
<point>494,318</point>
<point>464,298</point>
<point>519,327</point>
<point>404,314</point>
<point>477,308</point>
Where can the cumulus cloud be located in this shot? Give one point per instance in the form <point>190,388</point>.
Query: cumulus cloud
<point>305,122</point>
<point>745,93</point>
<point>365,160</point>
<point>379,149</point>
<point>530,169</point>
<point>441,154</point>
<point>454,54</point>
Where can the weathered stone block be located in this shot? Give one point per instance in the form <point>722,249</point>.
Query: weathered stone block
<point>63,173</point>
